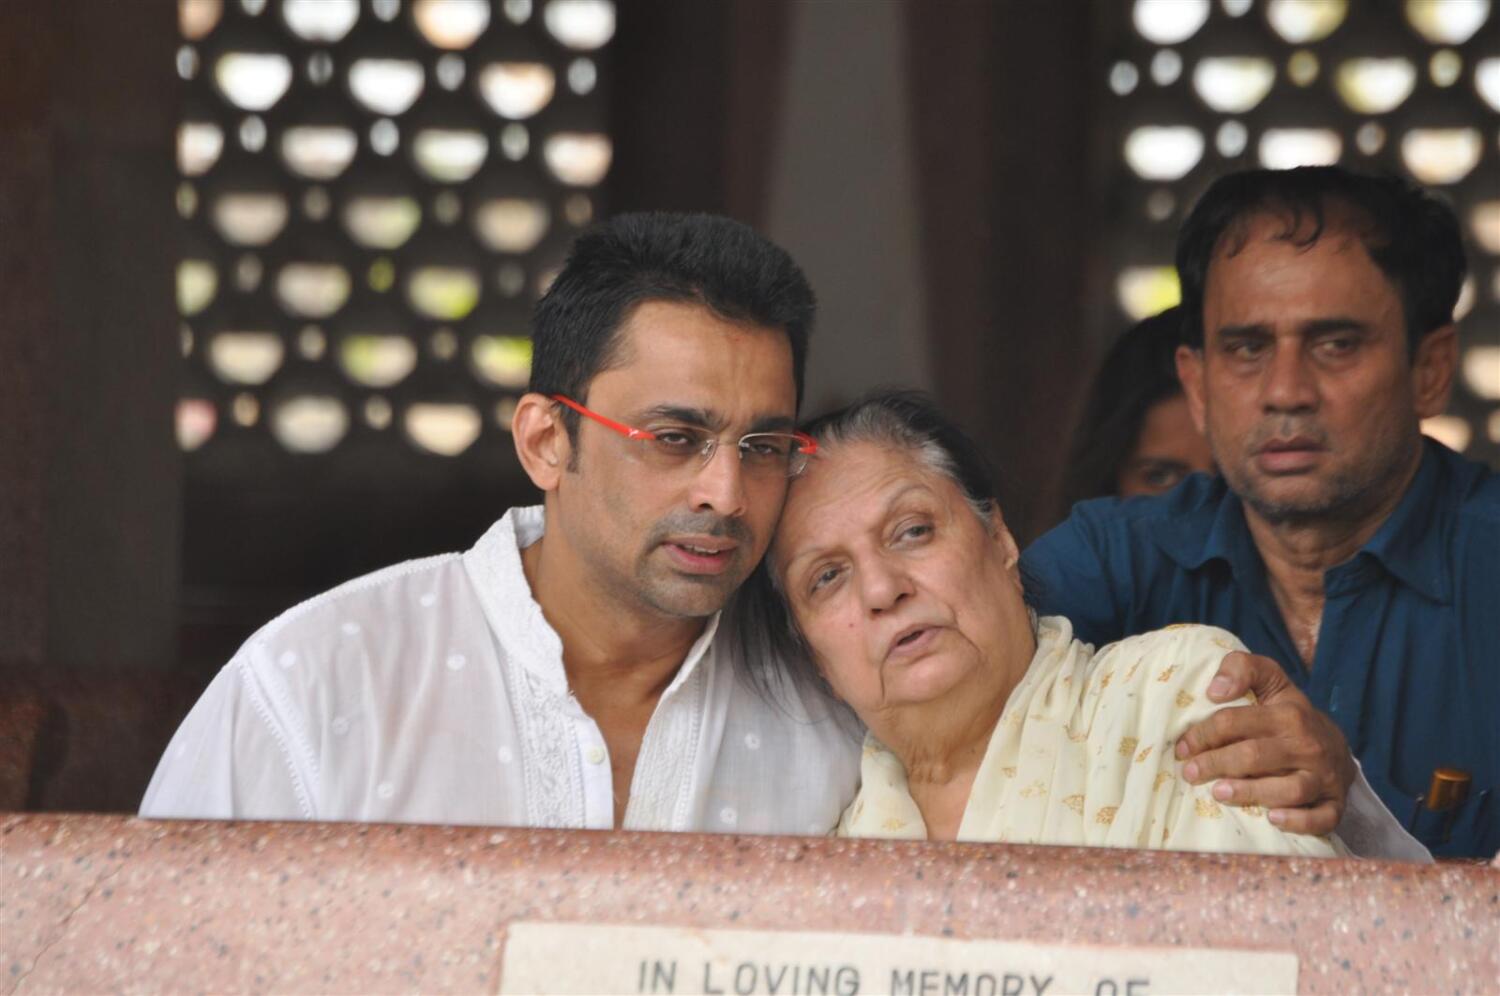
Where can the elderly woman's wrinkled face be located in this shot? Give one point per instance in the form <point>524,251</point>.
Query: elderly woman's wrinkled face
<point>899,588</point>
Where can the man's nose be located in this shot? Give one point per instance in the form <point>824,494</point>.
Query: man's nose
<point>1289,384</point>
<point>719,485</point>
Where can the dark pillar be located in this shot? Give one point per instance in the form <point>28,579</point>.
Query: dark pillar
<point>696,90</point>
<point>88,535</point>
<point>89,471</point>
<point>1001,106</point>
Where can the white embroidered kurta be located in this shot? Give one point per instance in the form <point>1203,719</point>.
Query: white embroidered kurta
<point>1083,754</point>
<point>434,692</point>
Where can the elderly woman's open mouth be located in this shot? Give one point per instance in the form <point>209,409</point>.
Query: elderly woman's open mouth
<point>912,641</point>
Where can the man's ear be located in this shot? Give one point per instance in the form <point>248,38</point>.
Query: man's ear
<point>541,440</point>
<point>1190,373</point>
<point>1432,371</point>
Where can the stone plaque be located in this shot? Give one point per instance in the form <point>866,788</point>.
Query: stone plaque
<point>604,958</point>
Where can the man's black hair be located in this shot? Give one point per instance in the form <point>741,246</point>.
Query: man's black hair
<point>1413,237</point>
<point>632,258</point>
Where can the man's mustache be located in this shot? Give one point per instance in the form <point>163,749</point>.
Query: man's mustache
<point>701,524</point>
<point>1287,427</point>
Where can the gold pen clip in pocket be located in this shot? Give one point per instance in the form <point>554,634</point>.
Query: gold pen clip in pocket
<point>1436,809</point>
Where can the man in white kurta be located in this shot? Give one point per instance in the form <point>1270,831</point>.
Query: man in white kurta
<point>563,672</point>
<point>434,692</point>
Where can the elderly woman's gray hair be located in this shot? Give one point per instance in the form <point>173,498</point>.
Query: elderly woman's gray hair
<point>758,620</point>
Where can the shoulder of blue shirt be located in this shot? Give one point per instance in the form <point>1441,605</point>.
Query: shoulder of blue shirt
<point>1124,542</point>
<point>1197,499</point>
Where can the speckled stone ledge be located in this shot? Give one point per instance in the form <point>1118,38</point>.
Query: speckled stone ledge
<point>109,904</point>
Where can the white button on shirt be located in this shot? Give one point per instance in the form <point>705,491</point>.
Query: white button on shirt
<point>434,692</point>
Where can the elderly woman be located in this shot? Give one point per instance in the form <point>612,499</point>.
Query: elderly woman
<point>893,579</point>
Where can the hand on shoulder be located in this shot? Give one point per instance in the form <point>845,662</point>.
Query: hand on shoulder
<point>1282,753</point>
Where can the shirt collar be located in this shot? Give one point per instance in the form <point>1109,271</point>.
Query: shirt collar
<point>1214,529</point>
<point>1408,544</point>
<point>494,566</point>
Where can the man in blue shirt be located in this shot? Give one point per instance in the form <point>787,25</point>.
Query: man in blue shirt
<point>1319,333</point>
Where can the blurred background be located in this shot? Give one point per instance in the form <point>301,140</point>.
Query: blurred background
<point>266,265</point>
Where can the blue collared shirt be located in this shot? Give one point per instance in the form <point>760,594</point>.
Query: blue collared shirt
<point>1408,653</point>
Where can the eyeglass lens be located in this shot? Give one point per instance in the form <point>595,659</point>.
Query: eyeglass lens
<point>765,453</point>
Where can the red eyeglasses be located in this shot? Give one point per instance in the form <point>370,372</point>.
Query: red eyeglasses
<point>765,454</point>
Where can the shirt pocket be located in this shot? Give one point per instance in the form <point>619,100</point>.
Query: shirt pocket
<point>1470,830</point>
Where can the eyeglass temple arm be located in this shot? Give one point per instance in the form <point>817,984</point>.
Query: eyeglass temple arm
<point>809,445</point>
<point>609,423</point>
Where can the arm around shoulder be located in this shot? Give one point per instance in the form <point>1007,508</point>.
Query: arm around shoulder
<point>1160,688</point>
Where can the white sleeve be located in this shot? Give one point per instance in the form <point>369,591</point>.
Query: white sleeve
<point>1370,830</point>
<point>229,759</point>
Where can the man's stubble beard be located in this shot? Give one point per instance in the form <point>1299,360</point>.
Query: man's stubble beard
<point>1345,499</point>
<point>1352,493</point>
<point>691,596</point>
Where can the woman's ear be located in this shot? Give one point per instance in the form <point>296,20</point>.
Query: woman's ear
<point>541,440</point>
<point>1002,537</point>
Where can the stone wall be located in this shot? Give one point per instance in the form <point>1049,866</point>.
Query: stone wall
<point>94,903</point>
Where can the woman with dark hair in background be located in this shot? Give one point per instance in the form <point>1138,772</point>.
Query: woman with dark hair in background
<point>1136,436</point>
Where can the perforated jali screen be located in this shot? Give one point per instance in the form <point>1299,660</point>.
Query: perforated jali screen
<point>373,194</point>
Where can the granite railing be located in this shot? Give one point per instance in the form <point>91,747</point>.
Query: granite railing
<point>111,903</point>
